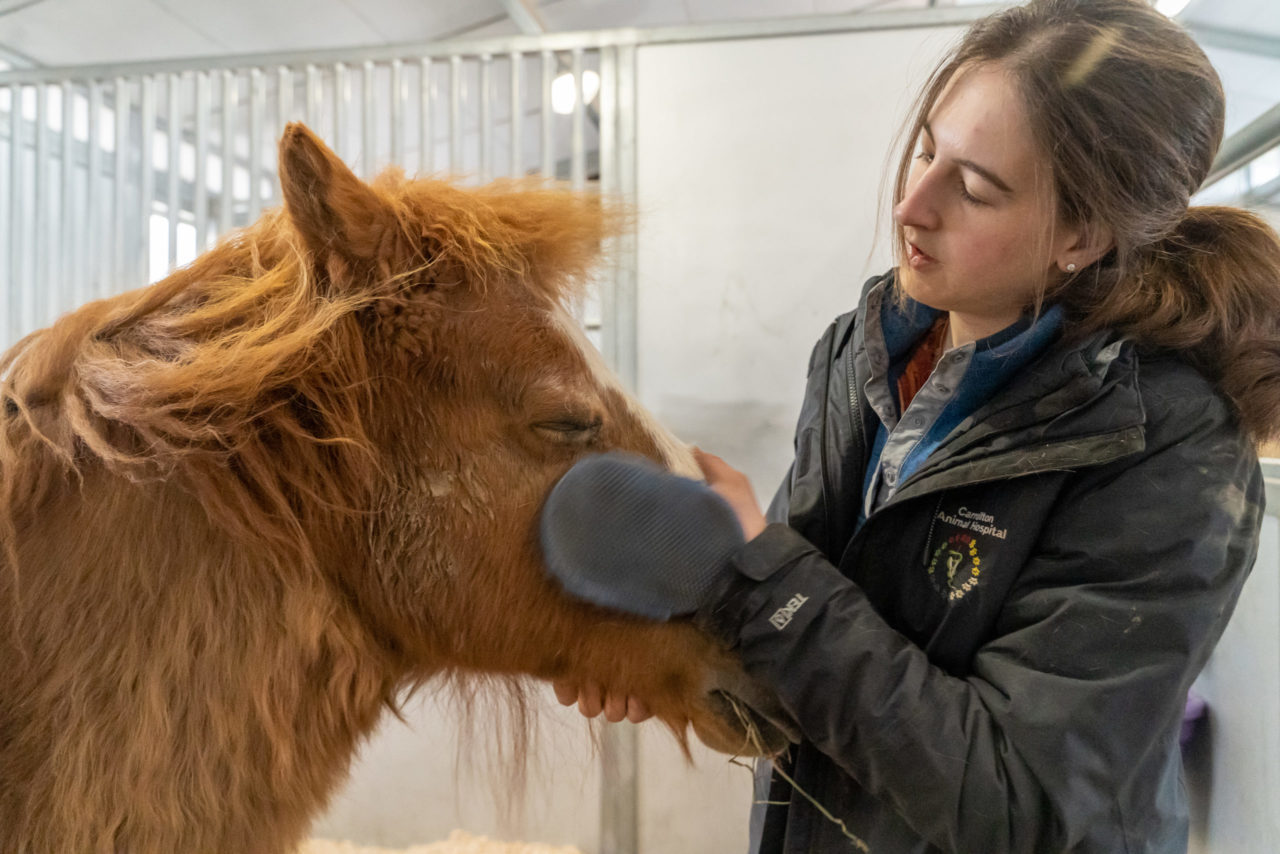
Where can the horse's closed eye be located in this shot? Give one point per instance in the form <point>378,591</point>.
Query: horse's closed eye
<point>570,431</point>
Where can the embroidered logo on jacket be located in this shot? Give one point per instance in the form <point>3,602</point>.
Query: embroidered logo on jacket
<point>956,566</point>
<point>974,520</point>
<point>783,615</point>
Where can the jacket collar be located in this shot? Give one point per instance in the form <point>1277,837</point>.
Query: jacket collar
<point>894,323</point>
<point>1077,404</point>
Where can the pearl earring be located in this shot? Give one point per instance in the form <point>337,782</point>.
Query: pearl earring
<point>1071,268</point>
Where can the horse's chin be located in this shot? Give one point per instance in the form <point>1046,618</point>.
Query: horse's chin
<point>735,728</point>
<point>743,717</point>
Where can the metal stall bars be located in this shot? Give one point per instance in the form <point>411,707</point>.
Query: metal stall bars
<point>114,175</point>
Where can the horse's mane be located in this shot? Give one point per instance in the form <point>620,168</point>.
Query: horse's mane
<point>248,377</point>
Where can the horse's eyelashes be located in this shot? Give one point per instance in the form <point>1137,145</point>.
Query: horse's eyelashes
<point>570,426</point>
<point>570,431</point>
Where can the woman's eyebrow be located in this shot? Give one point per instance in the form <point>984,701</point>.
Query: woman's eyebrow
<point>974,167</point>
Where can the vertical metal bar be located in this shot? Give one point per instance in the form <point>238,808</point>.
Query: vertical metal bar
<point>284,98</point>
<point>68,251</point>
<point>92,274</point>
<point>123,120</point>
<point>142,260</point>
<point>230,93</point>
<point>175,164</point>
<point>619,751</point>
<point>426,139</point>
<point>341,95</point>
<point>455,114</point>
<point>284,111</point>
<point>16,192</point>
<point>314,94</point>
<point>517,115</point>
<point>200,196</point>
<point>38,287</point>
<point>369,156</point>
<point>625,297</point>
<point>486,118</point>
<point>578,156</point>
<point>396,113</point>
<point>257,107</point>
<point>548,73</point>
<point>609,119</point>
<point>609,188</point>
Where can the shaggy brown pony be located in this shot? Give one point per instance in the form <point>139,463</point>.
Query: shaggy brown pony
<point>244,508</point>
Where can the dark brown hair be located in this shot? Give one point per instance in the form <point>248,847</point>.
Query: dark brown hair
<point>1129,113</point>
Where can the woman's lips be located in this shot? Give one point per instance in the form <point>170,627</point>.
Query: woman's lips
<point>918,258</point>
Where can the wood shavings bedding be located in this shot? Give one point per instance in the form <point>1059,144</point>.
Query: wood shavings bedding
<point>459,842</point>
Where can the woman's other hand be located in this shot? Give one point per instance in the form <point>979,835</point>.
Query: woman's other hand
<point>592,701</point>
<point>734,487</point>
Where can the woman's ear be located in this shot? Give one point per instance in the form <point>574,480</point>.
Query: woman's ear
<point>342,220</point>
<point>1088,243</point>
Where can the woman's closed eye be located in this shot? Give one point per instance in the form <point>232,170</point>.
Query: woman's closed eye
<point>968,197</point>
<point>926,157</point>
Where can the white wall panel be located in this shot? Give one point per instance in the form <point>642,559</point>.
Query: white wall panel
<point>1233,768</point>
<point>760,166</point>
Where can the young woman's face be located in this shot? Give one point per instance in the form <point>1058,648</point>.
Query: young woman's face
<point>978,214</point>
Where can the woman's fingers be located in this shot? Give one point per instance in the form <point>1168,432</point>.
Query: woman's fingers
<point>713,468</point>
<point>637,711</point>
<point>735,488</point>
<point>615,708</point>
<point>592,701</point>
<point>566,692</point>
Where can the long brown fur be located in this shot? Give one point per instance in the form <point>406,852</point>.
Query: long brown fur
<point>244,508</point>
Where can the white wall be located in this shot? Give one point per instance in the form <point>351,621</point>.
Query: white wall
<point>760,167</point>
<point>1233,767</point>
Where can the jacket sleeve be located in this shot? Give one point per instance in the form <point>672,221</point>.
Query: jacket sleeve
<point>1130,585</point>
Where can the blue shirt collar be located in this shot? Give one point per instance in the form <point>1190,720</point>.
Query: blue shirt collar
<point>902,325</point>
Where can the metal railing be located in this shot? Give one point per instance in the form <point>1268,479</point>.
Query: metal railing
<point>1246,145</point>
<point>112,176</point>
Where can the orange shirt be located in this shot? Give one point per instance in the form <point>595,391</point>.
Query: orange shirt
<point>923,359</point>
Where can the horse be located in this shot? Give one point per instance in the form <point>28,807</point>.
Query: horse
<point>246,508</point>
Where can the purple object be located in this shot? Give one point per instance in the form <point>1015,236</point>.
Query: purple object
<point>1191,715</point>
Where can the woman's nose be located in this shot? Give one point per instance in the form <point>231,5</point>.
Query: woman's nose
<point>916,208</point>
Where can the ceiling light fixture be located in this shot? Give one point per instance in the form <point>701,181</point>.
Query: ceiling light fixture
<point>563,92</point>
<point>1171,8</point>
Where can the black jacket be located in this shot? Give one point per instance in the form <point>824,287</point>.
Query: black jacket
<point>997,661</point>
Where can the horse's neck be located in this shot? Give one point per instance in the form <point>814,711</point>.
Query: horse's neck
<point>226,696</point>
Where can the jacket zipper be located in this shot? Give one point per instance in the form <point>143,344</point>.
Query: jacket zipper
<point>855,405</point>
<point>822,441</point>
<point>933,520</point>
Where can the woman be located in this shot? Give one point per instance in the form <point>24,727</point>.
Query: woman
<point>1025,493</point>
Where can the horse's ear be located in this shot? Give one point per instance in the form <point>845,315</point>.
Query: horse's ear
<point>340,218</point>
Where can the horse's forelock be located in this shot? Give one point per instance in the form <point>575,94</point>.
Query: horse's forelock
<point>538,235</point>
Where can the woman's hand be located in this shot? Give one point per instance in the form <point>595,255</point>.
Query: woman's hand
<point>592,701</point>
<point>734,487</point>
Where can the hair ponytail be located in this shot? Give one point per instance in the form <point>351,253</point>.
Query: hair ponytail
<point>1210,291</point>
